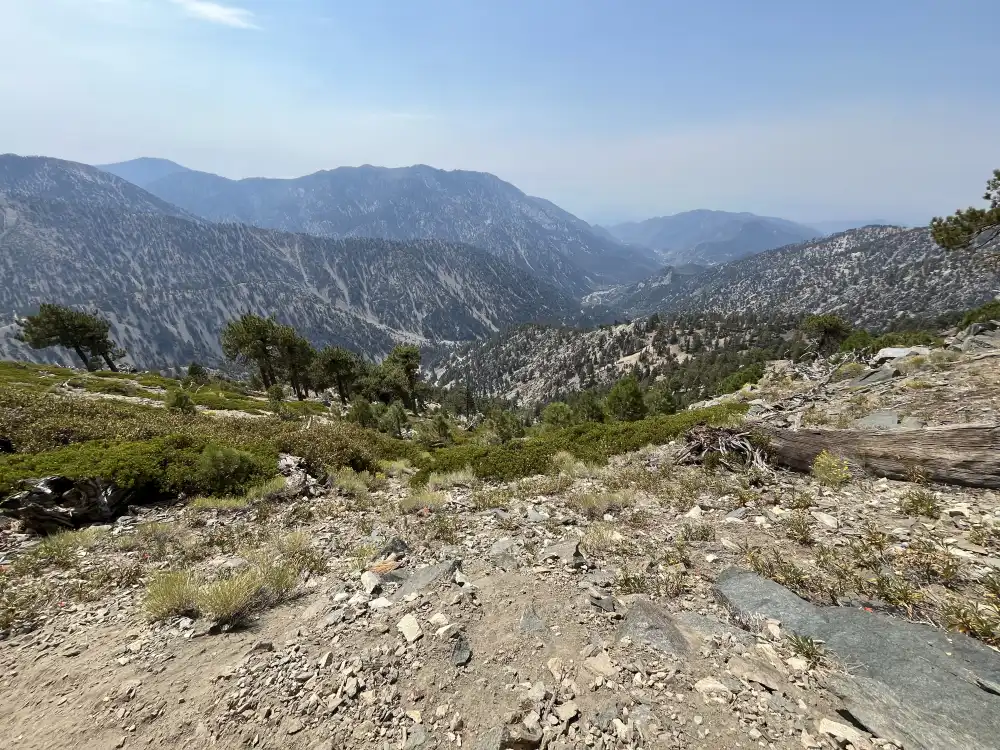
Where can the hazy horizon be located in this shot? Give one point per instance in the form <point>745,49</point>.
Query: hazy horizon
<point>613,111</point>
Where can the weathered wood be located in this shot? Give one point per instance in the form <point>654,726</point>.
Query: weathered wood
<point>967,455</point>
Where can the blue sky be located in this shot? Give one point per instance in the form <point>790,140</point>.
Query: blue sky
<point>614,110</point>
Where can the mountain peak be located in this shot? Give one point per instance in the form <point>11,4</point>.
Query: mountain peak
<point>144,170</point>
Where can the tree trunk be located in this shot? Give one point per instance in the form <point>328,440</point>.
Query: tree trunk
<point>81,355</point>
<point>967,455</point>
<point>110,362</point>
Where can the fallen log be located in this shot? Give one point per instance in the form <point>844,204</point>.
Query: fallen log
<point>967,455</point>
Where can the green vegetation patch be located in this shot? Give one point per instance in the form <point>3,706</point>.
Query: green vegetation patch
<point>161,466</point>
<point>592,442</point>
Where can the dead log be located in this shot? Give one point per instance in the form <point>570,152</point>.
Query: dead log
<point>967,455</point>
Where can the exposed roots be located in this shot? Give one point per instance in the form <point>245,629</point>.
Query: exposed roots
<point>726,446</point>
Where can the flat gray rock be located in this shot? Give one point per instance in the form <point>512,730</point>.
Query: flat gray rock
<point>567,552</point>
<point>876,376</point>
<point>649,624</point>
<point>531,622</point>
<point>879,420</point>
<point>925,688</point>
<point>422,579</point>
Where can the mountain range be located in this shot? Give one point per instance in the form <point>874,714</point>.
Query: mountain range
<point>710,237</point>
<point>417,202</point>
<point>169,268</point>
<point>169,281</point>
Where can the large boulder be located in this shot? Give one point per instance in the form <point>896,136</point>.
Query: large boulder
<point>978,337</point>
<point>58,503</point>
<point>920,686</point>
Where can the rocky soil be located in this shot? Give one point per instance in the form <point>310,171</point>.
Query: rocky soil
<point>640,605</point>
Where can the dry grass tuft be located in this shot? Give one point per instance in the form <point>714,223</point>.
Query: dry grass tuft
<point>445,481</point>
<point>421,500</point>
<point>172,594</point>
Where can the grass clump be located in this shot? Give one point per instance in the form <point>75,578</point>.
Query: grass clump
<point>298,549</point>
<point>848,371</point>
<point>172,594</point>
<point>351,483</point>
<point>798,528</point>
<point>464,477</point>
<point>565,463</point>
<point>696,531</point>
<point>492,498</point>
<point>920,502</point>
<point>595,505</point>
<point>231,502</point>
<point>421,500</point>
<point>831,470</point>
<point>807,648</point>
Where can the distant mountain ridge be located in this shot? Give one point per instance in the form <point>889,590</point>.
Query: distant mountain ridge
<point>707,237</point>
<point>168,282</point>
<point>418,202</point>
<point>144,170</point>
<point>870,276</point>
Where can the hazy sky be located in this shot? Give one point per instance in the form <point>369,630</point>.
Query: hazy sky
<point>620,109</point>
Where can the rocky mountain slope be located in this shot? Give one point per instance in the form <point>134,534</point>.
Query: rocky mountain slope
<point>534,363</point>
<point>711,237</point>
<point>75,235</point>
<point>418,202</point>
<point>642,604</point>
<point>870,276</point>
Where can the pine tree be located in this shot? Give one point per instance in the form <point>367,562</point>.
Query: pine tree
<point>972,226</point>
<point>253,340</point>
<point>86,334</point>
<point>624,401</point>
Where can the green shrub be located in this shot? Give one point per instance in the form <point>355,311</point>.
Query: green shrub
<point>222,469</point>
<point>591,442</point>
<point>735,381</point>
<point>180,401</point>
<point>168,465</point>
<point>831,470</point>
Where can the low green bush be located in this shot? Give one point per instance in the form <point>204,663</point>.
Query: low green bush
<point>161,466</point>
<point>989,311</point>
<point>181,401</point>
<point>591,442</point>
<point>735,381</point>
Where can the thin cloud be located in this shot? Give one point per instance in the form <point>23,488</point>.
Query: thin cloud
<point>227,15</point>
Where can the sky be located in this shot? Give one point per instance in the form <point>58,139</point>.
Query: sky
<point>617,110</point>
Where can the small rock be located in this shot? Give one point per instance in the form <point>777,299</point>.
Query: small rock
<point>567,552</point>
<point>293,726</point>
<point>709,685</point>
<point>567,711</point>
<point>370,582</point>
<point>461,652</point>
<point>826,519</point>
<point>601,664</point>
<point>860,740</point>
<point>438,620</point>
<point>695,512</point>
<point>410,629</point>
<point>415,737</point>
